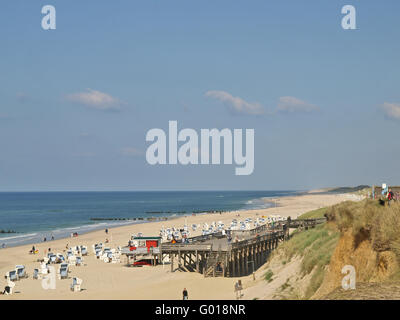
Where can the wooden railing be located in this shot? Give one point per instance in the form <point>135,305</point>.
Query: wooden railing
<point>276,232</point>
<point>269,236</point>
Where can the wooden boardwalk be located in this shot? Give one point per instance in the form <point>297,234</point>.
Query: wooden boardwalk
<point>214,255</point>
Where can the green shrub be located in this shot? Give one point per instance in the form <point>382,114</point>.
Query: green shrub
<point>268,275</point>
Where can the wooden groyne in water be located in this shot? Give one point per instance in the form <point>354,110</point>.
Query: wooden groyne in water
<point>213,255</point>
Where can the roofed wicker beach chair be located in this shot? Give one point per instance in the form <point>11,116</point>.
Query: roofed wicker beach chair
<point>36,275</point>
<point>76,284</point>
<point>78,261</point>
<point>12,275</point>
<point>84,251</point>
<point>63,273</point>
<point>21,272</point>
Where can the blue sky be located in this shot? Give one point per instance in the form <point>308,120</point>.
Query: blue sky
<point>76,102</point>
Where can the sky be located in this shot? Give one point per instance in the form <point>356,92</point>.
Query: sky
<point>76,102</point>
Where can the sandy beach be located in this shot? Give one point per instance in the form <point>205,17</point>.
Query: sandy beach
<point>116,281</point>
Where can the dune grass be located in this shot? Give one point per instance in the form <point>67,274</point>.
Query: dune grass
<point>314,214</point>
<point>268,275</point>
<point>368,220</point>
<point>316,247</point>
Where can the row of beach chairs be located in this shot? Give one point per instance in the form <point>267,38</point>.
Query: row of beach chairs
<point>108,255</point>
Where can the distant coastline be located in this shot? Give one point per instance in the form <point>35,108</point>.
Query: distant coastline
<point>87,212</point>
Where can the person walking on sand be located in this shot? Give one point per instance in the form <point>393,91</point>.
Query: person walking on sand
<point>238,289</point>
<point>185,294</point>
<point>390,196</point>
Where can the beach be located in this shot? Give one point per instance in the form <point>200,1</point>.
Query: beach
<point>116,281</point>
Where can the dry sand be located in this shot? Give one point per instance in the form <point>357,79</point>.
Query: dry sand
<point>116,281</point>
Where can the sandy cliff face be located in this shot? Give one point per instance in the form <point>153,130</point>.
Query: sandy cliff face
<point>370,265</point>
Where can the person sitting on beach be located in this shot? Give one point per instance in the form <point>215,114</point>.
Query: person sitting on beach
<point>7,290</point>
<point>185,294</point>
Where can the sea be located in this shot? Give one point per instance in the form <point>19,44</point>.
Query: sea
<point>34,216</point>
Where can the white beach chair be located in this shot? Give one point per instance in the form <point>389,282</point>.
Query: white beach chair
<point>63,265</point>
<point>76,284</point>
<point>63,273</point>
<point>36,275</point>
<point>11,285</point>
<point>84,251</point>
<point>12,275</point>
<point>79,261</point>
<point>21,272</point>
<point>53,258</point>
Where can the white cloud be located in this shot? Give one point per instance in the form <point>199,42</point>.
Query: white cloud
<point>96,99</point>
<point>131,152</point>
<point>292,104</point>
<point>236,104</point>
<point>391,110</point>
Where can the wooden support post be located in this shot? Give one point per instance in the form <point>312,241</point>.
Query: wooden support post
<point>214,267</point>
<point>197,262</point>
<point>233,264</point>
<point>255,256</point>
<point>171,258</point>
<point>224,265</point>
<point>246,260</point>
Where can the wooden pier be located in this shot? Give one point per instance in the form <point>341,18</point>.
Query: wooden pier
<point>216,256</point>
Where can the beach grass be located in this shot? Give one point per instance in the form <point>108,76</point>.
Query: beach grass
<point>268,275</point>
<point>314,214</point>
<point>316,247</point>
<point>368,220</point>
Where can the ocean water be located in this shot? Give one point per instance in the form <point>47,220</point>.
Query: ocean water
<point>35,215</point>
